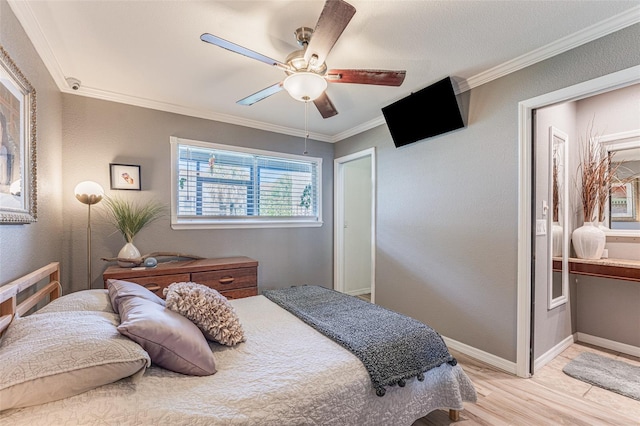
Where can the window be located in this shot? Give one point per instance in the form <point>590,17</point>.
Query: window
<point>217,186</point>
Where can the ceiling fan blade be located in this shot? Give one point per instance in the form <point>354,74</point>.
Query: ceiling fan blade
<point>325,106</point>
<point>333,20</point>
<point>377,77</point>
<point>258,96</point>
<point>217,41</point>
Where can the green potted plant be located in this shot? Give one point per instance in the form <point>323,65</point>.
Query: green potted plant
<point>129,218</point>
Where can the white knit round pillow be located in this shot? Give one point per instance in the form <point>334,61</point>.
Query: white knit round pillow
<point>207,309</point>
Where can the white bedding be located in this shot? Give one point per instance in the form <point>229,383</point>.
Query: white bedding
<point>286,373</point>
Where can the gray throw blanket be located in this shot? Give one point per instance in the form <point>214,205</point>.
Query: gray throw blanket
<point>393,347</point>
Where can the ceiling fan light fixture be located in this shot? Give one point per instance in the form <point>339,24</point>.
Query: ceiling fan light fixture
<point>305,86</point>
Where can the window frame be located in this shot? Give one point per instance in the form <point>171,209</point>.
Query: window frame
<point>230,223</point>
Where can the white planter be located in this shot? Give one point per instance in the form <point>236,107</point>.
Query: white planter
<point>129,251</point>
<point>588,241</point>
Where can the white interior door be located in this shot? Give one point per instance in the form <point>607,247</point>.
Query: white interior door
<point>354,224</point>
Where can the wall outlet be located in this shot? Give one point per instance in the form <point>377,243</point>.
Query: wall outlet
<point>541,227</point>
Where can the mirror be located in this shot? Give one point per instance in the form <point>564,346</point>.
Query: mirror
<point>623,209</point>
<point>558,242</point>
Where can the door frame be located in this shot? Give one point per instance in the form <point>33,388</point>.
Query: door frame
<point>586,89</point>
<point>338,219</point>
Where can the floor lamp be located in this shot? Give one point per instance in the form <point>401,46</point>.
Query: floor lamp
<point>89,193</point>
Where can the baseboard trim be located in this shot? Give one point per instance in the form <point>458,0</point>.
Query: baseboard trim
<point>492,360</point>
<point>609,344</point>
<point>358,292</point>
<point>545,358</point>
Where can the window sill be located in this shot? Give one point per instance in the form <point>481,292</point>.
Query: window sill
<point>247,224</point>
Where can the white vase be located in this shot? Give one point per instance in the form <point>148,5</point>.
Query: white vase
<point>588,241</point>
<point>129,251</point>
<point>556,235</point>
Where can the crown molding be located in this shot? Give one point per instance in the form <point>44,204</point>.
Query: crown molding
<point>594,32</point>
<point>191,112</point>
<point>25,15</point>
<point>359,129</point>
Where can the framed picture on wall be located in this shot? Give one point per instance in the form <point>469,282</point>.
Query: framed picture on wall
<point>623,201</point>
<point>17,145</point>
<point>125,176</point>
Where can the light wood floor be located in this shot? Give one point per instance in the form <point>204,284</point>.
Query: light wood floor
<point>366,297</point>
<point>550,397</point>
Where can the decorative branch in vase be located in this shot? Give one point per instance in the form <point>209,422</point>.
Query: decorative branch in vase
<point>595,177</point>
<point>130,218</point>
<point>555,196</point>
<point>556,228</point>
<point>589,174</point>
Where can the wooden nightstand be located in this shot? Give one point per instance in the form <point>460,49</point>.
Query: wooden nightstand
<point>233,277</point>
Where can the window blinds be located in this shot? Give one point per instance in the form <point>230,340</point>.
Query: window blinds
<point>214,183</point>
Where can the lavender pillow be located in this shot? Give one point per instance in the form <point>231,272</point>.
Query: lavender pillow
<point>119,290</point>
<point>170,339</point>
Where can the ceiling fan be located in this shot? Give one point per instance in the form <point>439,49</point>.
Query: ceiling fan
<point>307,72</point>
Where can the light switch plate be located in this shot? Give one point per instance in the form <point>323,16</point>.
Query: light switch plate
<point>541,227</point>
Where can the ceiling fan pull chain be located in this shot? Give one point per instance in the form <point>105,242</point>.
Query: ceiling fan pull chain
<point>306,131</point>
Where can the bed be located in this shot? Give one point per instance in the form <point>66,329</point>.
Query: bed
<point>284,372</point>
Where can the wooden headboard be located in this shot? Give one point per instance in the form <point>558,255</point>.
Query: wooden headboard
<point>9,306</point>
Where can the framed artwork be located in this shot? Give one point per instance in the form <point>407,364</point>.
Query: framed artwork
<point>18,186</point>
<point>125,176</point>
<point>623,201</point>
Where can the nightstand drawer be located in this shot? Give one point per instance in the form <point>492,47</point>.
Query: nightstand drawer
<point>228,279</point>
<point>159,282</point>
<point>234,277</point>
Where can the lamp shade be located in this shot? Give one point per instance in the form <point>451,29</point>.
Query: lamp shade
<point>89,192</point>
<point>305,86</point>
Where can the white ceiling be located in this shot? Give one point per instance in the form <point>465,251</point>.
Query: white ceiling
<point>149,53</point>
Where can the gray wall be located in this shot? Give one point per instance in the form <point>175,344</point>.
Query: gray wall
<point>609,309</point>
<point>447,220</point>
<point>97,133</point>
<point>24,248</point>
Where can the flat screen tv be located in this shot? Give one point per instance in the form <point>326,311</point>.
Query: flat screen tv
<point>426,113</point>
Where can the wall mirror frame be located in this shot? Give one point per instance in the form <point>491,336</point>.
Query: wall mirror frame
<point>558,219</point>
<point>624,145</point>
<point>18,183</point>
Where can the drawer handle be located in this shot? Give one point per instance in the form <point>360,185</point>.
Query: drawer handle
<point>226,280</point>
<point>152,287</point>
